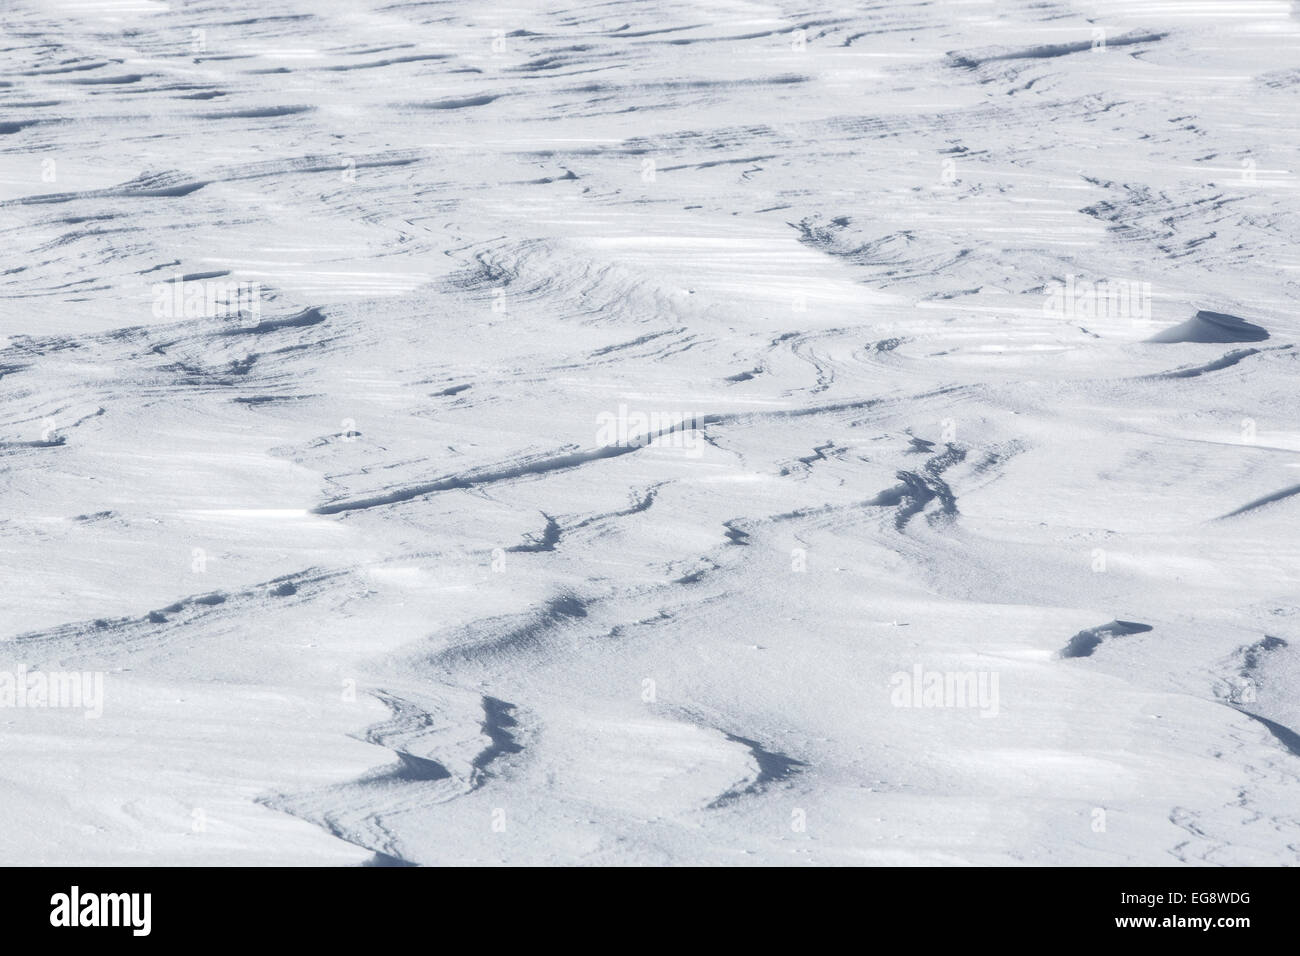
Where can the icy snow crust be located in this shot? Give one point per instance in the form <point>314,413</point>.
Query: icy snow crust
<point>637,406</point>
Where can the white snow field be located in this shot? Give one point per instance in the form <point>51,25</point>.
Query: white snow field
<point>649,432</point>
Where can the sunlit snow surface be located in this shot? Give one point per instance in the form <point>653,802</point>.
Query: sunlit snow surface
<point>386,564</point>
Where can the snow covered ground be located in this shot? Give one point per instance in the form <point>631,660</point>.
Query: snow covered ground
<point>649,432</point>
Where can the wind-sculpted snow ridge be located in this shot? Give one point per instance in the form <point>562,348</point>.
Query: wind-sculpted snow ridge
<point>662,433</point>
<point>1049,50</point>
<point>1087,641</point>
<point>1213,327</point>
<point>1265,500</point>
<point>159,631</point>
